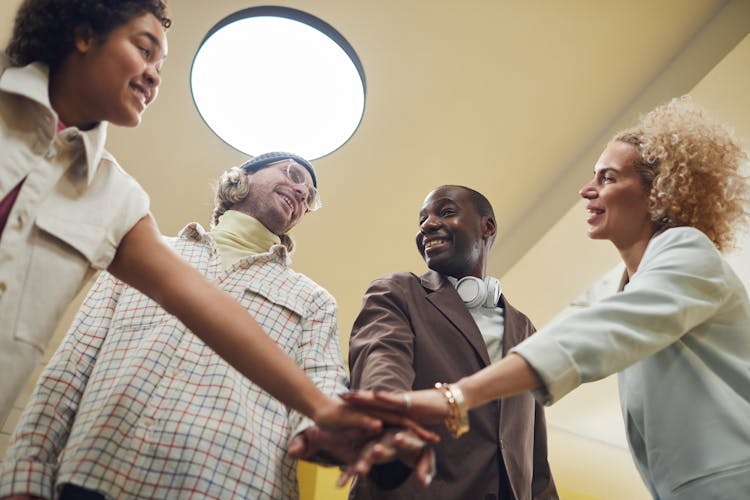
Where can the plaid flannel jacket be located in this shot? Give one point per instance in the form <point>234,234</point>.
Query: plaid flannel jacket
<point>135,406</point>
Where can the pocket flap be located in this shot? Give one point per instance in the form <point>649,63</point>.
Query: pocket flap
<point>87,239</point>
<point>278,296</point>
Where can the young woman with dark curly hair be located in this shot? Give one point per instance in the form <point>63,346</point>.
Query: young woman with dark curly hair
<point>669,195</point>
<point>67,208</point>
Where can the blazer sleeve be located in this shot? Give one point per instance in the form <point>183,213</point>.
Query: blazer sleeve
<point>381,345</point>
<point>381,350</point>
<point>680,283</point>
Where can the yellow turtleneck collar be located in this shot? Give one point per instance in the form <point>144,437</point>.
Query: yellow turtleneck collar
<point>240,235</point>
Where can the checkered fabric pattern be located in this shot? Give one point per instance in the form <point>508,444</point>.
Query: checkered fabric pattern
<point>134,406</point>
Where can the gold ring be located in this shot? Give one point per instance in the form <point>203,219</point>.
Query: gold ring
<point>407,401</point>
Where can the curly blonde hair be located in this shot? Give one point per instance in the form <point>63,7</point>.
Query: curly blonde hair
<point>233,187</point>
<point>691,165</point>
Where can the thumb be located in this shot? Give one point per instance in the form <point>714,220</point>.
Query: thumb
<point>425,467</point>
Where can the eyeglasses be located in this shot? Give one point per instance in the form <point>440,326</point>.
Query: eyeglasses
<point>296,174</point>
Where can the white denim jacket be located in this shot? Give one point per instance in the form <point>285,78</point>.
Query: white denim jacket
<point>74,207</point>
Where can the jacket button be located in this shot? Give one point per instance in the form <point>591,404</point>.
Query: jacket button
<point>22,216</point>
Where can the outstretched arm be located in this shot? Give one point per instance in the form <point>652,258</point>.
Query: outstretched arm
<point>510,376</point>
<point>145,262</point>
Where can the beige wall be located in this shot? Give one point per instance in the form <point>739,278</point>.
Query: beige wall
<point>588,450</point>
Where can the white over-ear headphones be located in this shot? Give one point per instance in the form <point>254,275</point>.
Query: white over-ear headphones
<point>476,292</point>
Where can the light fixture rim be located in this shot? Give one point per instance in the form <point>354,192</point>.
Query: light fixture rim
<point>294,15</point>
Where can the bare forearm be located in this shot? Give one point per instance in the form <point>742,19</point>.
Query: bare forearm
<point>510,376</point>
<point>232,333</point>
<point>145,262</point>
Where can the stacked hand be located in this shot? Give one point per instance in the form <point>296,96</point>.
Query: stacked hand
<point>425,406</point>
<point>356,452</point>
<point>359,413</point>
<point>346,436</point>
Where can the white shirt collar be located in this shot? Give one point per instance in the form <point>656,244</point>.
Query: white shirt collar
<point>32,82</point>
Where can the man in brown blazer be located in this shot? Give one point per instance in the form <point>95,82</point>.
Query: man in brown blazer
<point>448,323</point>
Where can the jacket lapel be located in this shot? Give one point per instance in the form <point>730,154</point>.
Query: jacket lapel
<point>512,335</point>
<point>442,295</point>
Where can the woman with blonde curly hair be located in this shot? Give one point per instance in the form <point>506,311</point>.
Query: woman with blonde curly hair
<point>668,193</point>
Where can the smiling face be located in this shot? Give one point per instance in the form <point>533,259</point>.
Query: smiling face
<point>118,75</point>
<point>274,199</point>
<point>617,201</point>
<point>453,237</point>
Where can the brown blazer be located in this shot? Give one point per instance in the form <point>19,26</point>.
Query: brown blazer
<point>415,331</point>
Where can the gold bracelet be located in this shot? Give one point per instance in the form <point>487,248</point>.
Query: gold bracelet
<point>457,422</point>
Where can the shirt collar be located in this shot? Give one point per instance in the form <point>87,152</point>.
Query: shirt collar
<point>243,232</point>
<point>194,231</point>
<point>239,235</point>
<point>32,82</point>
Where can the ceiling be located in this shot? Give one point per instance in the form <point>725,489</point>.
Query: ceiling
<point>515,99</point>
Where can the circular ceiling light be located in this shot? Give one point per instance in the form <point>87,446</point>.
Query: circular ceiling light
<point>278,79</point>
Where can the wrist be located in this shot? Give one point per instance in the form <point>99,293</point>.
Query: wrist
<point>457,420</point>
<point>326,410</point>
<point>469,393</point>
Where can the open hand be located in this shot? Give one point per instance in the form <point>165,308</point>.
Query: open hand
<point>328,447</point>
<point>358,452</point>
<point>340,415</point>
<point>425,406</point>
<point>394,444</point>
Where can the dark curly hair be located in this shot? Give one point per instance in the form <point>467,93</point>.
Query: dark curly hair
<point>44,30</point>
